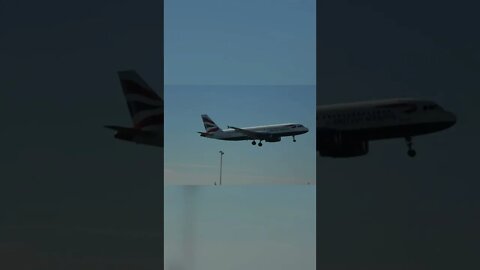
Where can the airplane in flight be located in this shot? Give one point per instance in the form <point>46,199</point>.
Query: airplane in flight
<point>270,133</point>
<point>146,111</point>
<point>344,130</point>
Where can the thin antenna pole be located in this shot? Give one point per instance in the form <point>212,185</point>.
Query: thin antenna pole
<point>221,161</point>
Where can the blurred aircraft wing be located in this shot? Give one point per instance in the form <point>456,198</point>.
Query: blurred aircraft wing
<point>252,134</point>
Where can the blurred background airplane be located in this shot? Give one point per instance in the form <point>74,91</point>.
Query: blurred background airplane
<point>344,130</point>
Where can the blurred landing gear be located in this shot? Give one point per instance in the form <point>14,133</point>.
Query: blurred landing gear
<point>294,138</point>
<point>253,143</point>
<point>411,152</point>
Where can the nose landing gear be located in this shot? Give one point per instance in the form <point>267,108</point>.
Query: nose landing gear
<point>411,152</point>
<point>294,138</point>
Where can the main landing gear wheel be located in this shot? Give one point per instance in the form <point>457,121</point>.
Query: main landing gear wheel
<point>260,144</point>
<point>294,139</point>
<point>253,143</point>
<point>411,152</point>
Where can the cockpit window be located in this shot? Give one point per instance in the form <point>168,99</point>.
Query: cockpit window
<point>431,107</point>
<point>295,126</point>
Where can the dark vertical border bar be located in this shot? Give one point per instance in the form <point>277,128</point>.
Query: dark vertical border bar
<point>162,83</point>
<point>317,83</point>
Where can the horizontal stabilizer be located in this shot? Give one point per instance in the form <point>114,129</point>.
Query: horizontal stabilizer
<point>118,128</point>
<point>126,130</point>
<point>203,134</point>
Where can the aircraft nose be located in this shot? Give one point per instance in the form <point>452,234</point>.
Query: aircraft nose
<point>451,118</point>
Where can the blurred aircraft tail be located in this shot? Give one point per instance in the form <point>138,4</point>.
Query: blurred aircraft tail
<point>144,105</point>
<point>210,126</point>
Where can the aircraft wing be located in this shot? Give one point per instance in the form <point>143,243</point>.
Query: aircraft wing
<point>252,134</point>
<point>123,129</point>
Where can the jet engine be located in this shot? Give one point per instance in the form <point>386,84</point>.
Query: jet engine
<point>273,139</point>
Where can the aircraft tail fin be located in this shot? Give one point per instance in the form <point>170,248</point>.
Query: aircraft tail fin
<point>210,126</point>
<point>144,105</point>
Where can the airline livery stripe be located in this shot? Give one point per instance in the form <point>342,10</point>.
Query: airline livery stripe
<point>140,106</point>
<point>152,120</point>
<point>212,129</point>
<point>146,100</point>
<point>132,87</point>
<point>140,116</point>
<point>208,122</point>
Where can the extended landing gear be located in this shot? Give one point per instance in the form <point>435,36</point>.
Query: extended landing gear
<point>294,138</point>
<point>411,152</point>
<point>259,143</point>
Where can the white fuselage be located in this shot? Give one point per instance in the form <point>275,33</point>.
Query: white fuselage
<point>279,130</point>
<point>344,130</point>
<point>385,118</point>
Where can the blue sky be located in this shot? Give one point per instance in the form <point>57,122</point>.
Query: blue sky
<point>191,159</point>
<point>240,42</point>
